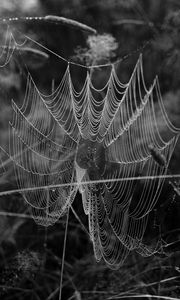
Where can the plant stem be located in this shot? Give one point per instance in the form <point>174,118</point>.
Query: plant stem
<point>63,256</point>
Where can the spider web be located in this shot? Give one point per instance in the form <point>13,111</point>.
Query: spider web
<point>103,151</point>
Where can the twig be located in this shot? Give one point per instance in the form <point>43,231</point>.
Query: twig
<point>79,220</point>
<point>148,296</point>
<point>53,186</point>
<point>63,257</point>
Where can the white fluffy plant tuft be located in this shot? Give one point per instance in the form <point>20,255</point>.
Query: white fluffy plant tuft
<point>101,48</point>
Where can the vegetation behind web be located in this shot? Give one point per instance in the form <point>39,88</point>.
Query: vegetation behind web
<point>31,257</point>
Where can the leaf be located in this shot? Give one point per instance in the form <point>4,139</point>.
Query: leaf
<point>51,19</point>
<point>8,230</point>
<point>69,22</point>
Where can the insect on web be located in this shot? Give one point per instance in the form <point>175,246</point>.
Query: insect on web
<point>104,148</point>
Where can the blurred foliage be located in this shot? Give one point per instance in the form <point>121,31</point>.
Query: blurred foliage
<point>136,277</point>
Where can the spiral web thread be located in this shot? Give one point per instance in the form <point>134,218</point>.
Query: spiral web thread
<point>123,124</point>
